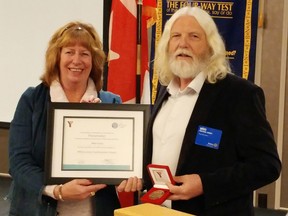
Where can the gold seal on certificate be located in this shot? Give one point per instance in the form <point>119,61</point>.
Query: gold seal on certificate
<point>156,194</point>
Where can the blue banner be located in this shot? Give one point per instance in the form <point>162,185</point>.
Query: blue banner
<point>237,21</point>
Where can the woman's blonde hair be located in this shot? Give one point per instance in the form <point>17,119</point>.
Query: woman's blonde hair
<point>218,65</point>
<point>67,35</point>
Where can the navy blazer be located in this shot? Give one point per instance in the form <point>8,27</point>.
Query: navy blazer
<point>27,137</point>
<point>247,157</point>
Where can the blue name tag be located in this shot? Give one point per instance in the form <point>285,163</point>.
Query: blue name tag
<point>208,137</point>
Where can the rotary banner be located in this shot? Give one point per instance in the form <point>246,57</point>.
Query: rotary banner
<point>237,21</point>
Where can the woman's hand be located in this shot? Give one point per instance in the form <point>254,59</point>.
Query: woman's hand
<point>91,99</point>
<point>130,185</point>
<point>78,189</point>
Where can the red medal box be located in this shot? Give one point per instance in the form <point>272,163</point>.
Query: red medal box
<point>160,175</point>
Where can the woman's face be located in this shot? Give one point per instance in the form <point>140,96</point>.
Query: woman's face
<point>75,64</point>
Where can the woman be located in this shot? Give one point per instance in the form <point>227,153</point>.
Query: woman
<point>73,73</point>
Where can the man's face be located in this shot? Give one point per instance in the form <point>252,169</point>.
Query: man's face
<point>188,47</point>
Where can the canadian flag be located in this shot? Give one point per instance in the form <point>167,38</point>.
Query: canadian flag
<point>149,17</point>
<point>122,55</point>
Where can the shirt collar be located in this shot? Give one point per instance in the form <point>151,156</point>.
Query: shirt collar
<point>194,86</point>
<point>57,93</point>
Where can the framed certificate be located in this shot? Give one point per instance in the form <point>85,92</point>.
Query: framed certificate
<point>101,142</point>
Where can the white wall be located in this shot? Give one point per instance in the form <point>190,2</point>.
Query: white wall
<point>25,29</point>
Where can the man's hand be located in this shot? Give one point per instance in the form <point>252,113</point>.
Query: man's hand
<point>190,186</point>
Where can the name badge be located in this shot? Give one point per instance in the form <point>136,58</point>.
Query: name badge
<point>208,137</point>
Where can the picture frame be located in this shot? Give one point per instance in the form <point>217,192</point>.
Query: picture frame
<point>100,142</point>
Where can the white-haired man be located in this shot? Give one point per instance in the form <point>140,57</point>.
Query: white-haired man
<point>207,124</point>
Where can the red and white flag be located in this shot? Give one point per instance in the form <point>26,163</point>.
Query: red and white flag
<point>122,57</point>
<point>149,17</point>
<point>123,49</point>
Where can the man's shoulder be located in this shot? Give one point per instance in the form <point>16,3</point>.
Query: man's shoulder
<point>236,82</point>
<point>236,86</point>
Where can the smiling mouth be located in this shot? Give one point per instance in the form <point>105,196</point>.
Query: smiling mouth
<point>75,69</point>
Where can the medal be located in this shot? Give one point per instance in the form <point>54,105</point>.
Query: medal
<point>156,194</point>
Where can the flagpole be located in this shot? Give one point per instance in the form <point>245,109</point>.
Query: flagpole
<point>138,70</point>
<point>139,40</point>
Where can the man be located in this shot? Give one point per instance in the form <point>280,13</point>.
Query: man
<point>208,125</point>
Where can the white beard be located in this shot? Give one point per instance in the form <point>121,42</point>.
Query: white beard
<point>184,69</point>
